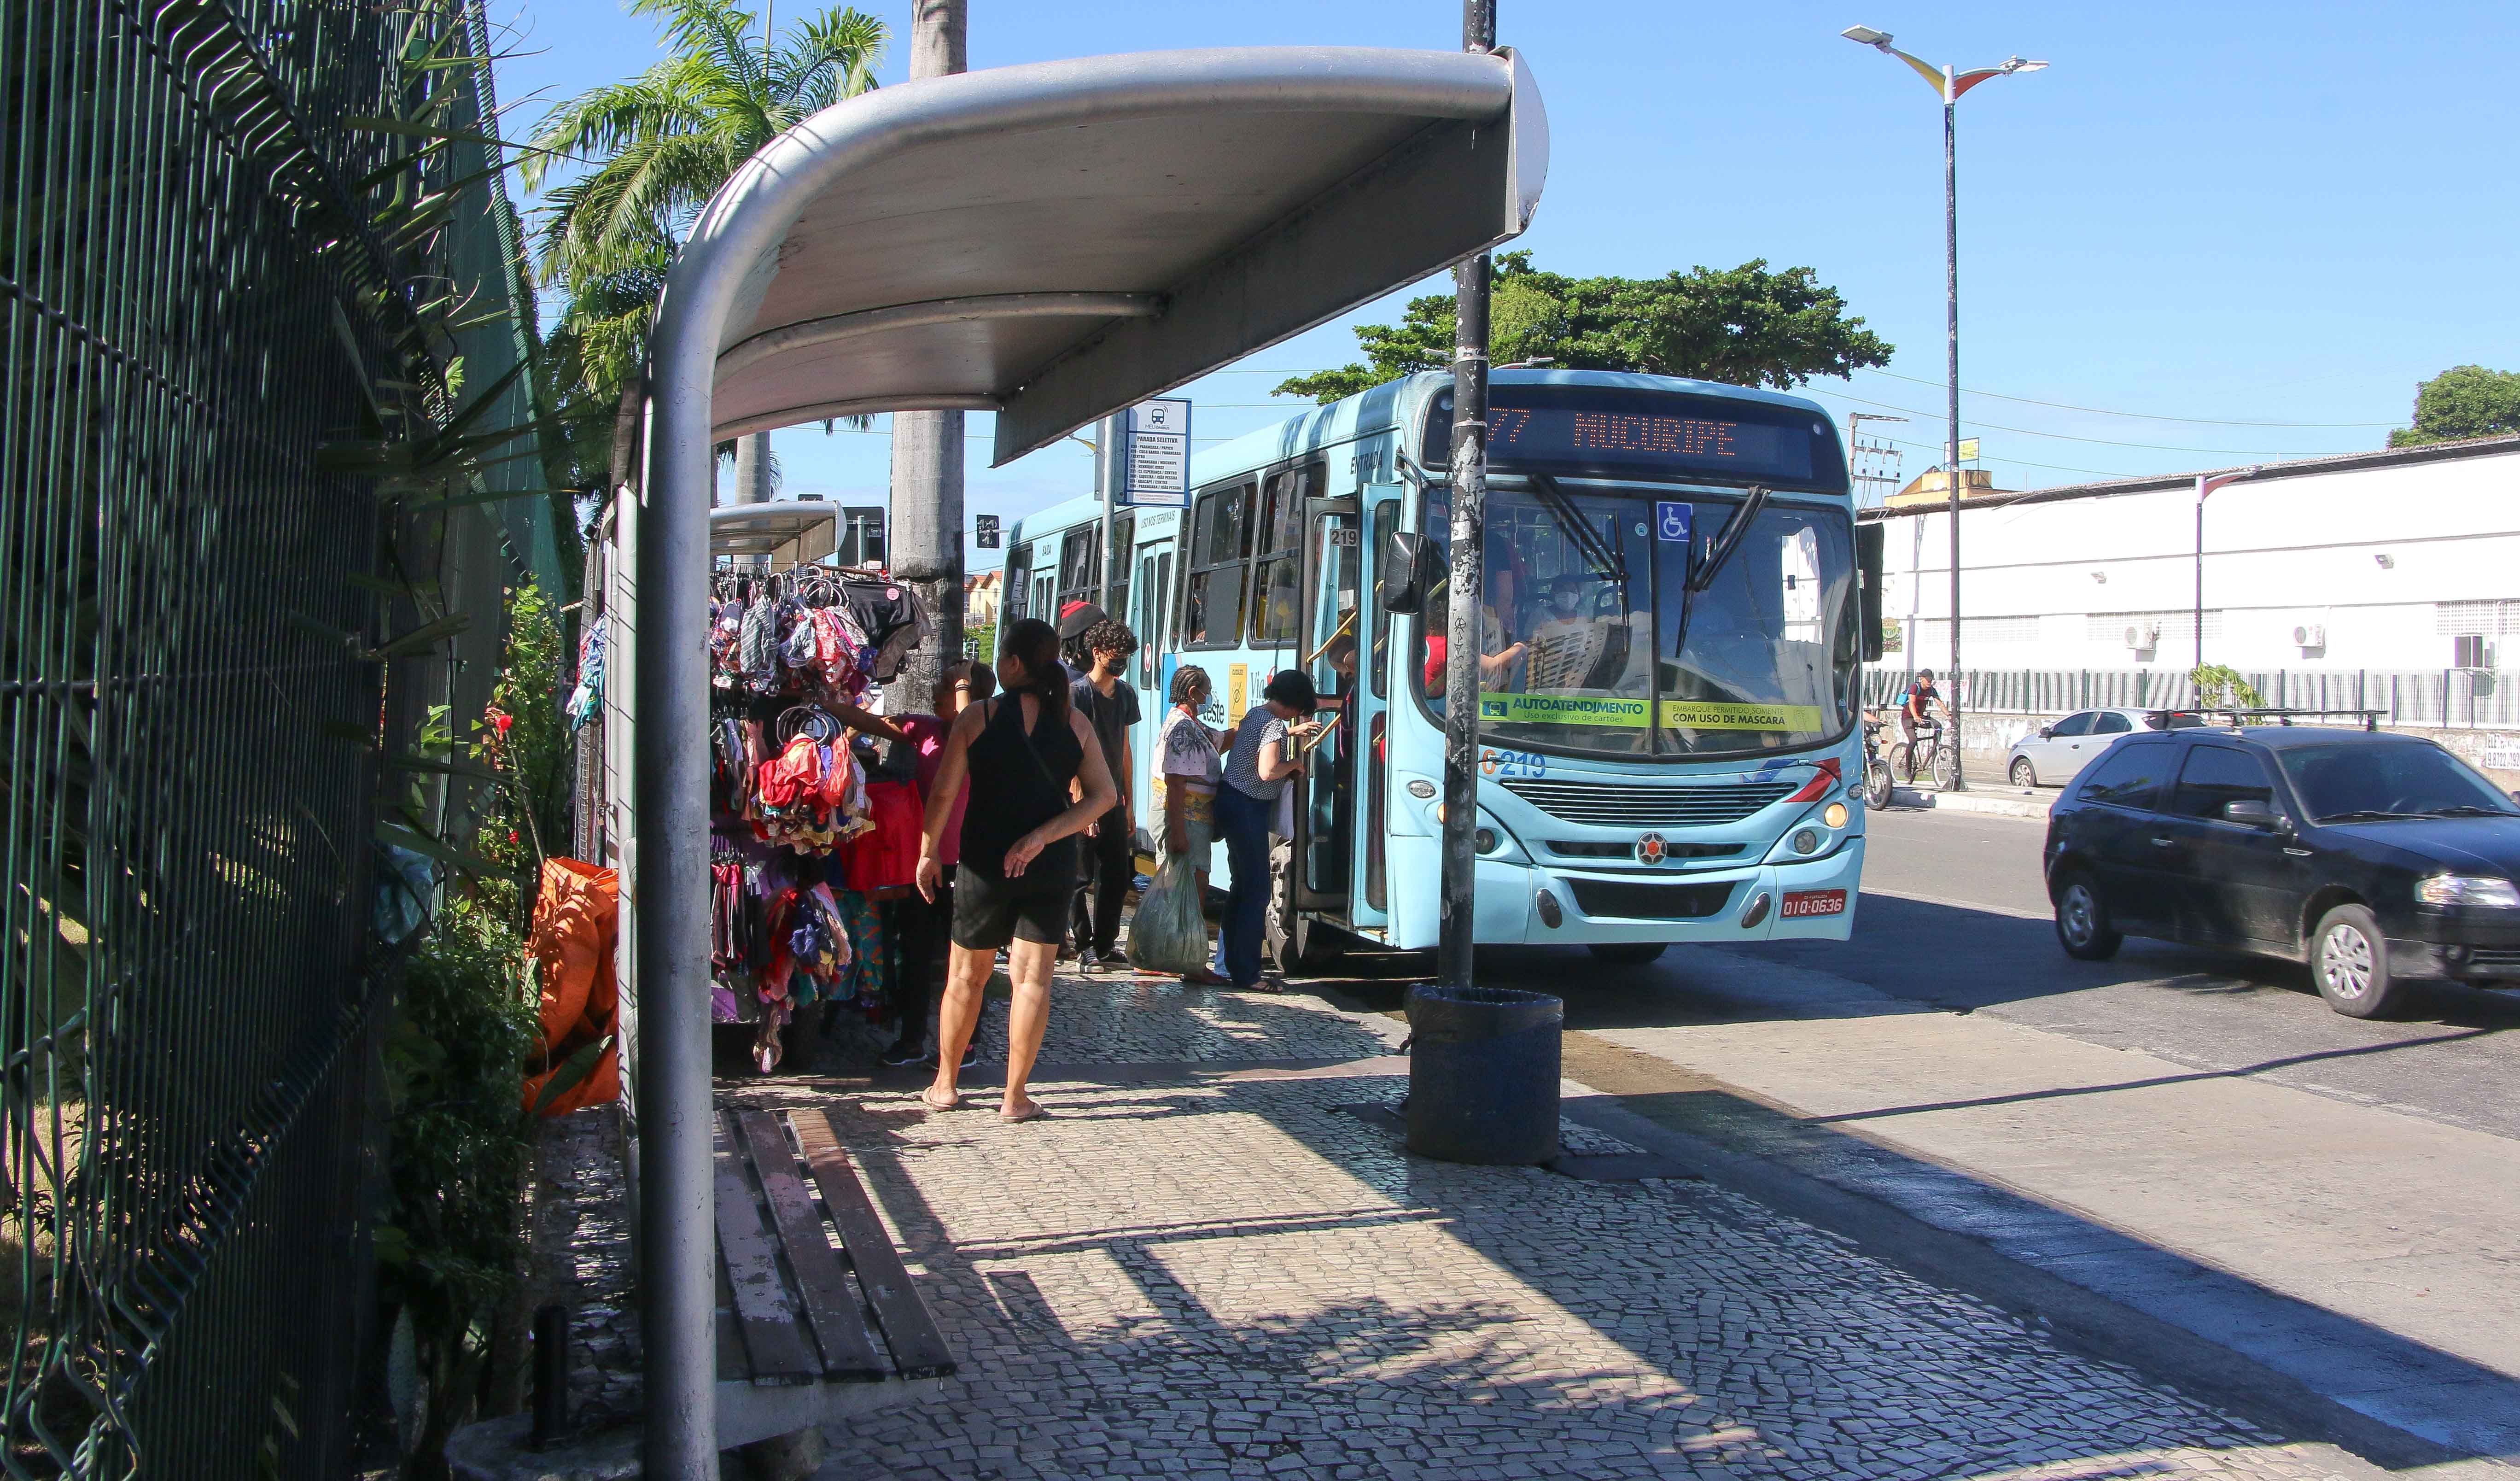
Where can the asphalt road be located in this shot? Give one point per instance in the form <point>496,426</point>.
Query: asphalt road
<point>1954,915</point>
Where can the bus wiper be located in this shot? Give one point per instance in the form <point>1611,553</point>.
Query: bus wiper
<point>1607,560</point>
<point>1736,529</point>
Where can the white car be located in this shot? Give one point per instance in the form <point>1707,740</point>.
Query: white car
<point>2051,756</point>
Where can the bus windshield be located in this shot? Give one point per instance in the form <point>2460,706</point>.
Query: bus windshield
<point>1591,641</point>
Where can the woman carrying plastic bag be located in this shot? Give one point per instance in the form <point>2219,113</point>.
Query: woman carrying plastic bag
<point>1169,933</point>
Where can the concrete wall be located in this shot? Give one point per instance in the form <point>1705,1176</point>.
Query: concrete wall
<point>1985,737</point>
<point>2388,560</point>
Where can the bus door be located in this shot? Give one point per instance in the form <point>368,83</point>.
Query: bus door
<point>1149,616</point>
<point>1332,635</point>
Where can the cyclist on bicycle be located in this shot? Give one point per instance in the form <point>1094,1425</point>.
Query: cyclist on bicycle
<point>1922,700</point>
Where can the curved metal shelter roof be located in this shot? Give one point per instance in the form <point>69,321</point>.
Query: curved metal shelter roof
<point>1053,242</point>
<point>1084,258</point>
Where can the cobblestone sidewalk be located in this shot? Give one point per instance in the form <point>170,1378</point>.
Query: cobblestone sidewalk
<point>1214,1271</point>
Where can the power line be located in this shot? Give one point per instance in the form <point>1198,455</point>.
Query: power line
<point>2227,452</point>
<point>2141,416</point>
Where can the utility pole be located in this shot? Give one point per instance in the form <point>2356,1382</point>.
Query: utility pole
<point>1952,445</point>
<point>1462,626</point>
<point>925,547</point>
<point>1109,473</point>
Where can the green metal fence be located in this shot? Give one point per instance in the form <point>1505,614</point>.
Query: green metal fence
<point>2447,697</point>
<point>190,993</point>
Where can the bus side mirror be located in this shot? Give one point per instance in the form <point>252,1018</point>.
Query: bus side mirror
<point>1410,571</point>
<point>1868,539</point>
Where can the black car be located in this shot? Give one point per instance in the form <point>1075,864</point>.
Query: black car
<point>2376,859</point>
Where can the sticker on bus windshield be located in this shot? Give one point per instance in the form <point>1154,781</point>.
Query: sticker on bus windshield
<point>1563,709</point>
<point>1704,715</point>
<point>1671,521</point>
<point>1636,713</point>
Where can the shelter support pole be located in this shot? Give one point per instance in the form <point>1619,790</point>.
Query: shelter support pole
<point>1457,904</point>
<point>670,895</point>
<point>926,542</point>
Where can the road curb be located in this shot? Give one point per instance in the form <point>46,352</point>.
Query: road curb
<point>1997,805</point>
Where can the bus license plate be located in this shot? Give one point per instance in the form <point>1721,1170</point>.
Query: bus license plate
<point>1804,903</point>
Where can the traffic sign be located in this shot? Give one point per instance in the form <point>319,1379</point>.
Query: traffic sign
<point>989,538</point>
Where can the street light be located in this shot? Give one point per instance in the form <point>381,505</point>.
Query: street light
<point>1949,86</point>
<point>2205,484</point>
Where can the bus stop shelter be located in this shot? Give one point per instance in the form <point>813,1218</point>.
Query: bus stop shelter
<point>1051,242</point>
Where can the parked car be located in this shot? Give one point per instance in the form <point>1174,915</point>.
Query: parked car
<point>2057,754</point>
<point>2375,858</point>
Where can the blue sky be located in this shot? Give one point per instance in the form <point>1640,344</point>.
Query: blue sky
<point>2227,213</point>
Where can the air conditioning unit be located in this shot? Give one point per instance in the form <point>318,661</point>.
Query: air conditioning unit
<point>2470,650</point>
<point>2144,636</point>
<point>2310,635</point>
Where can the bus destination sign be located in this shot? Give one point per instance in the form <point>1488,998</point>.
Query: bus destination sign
<point>1632,432</point>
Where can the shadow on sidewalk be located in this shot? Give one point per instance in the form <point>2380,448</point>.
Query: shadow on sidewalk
<point>1434,1307</point>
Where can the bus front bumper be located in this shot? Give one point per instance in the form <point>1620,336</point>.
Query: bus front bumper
<point>1550,905</point>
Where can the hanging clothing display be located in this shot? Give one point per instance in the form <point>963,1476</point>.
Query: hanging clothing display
<point>808,840</point>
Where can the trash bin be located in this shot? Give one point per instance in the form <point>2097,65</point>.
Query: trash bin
<point>1483,1072</point>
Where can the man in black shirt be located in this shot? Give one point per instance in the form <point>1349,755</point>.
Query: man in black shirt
<point>1110,707</point>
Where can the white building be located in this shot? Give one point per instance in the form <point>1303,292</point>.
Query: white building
<point>2398,560</point>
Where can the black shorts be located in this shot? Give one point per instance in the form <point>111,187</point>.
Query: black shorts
<point>989,911</point>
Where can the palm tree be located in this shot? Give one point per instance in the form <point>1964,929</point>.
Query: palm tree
<point>654,149</point>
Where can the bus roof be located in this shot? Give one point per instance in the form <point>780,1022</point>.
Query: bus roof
<point>1392,404</point>
<point>1403,401</point>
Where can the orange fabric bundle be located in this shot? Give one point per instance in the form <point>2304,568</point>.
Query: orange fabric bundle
<point>576,920</point>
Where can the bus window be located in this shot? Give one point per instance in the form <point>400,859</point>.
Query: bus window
<point>1386,518</point>
<point>1011,588</point>
<point>1220,546</point>
<point>1080,578</point>
<point>1282,533</point>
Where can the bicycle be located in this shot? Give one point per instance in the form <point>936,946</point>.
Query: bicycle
<point>1940,762</point>
<point>1877,778</point>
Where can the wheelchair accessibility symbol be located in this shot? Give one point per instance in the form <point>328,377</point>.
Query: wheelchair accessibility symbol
<point>1671,521</point>
<point>1492,708</point>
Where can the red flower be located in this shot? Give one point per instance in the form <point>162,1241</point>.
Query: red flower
<point>511,835</point>
<point>499,720</point>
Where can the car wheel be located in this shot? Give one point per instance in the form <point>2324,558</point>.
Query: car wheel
<point>2083,926</point>
<point>2024,775</point>
<point>1629,953</point>
<point>2349,961</point>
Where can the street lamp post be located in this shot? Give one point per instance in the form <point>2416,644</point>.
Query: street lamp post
<point>2206,484</point>
<point>1949,86</point>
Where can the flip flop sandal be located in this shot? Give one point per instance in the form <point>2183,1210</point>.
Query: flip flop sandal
<point>1039,1112</point>
<point>926,1099</point>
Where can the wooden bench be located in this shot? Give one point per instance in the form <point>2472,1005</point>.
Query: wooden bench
<point>806,1333</point>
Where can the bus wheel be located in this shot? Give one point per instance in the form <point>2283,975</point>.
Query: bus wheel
<point>1629,953</point>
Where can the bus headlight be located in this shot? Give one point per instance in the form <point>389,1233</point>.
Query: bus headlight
<point>1484,840</point>
<point>1834,815</point>
<point>1807,841</point>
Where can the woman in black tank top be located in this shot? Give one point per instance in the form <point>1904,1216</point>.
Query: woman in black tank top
<point>1037,778</point>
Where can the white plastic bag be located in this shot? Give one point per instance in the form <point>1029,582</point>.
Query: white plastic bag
<point>1169,933</point>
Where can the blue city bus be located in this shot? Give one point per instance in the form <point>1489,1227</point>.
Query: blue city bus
<point>1672,636</point>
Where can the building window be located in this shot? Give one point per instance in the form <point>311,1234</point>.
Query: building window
<point>1935,633</point>
<point>2484,619</point>
<point>2178,626</point>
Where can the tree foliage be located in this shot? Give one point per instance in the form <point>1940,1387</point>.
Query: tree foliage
<point>654,149</point>
<point>2463,402</point>
<point>1744,326</point>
